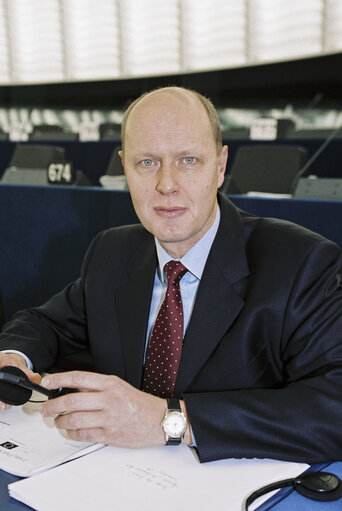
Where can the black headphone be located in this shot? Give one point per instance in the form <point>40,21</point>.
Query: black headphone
<point>16,389</point>
<point>322,486</point>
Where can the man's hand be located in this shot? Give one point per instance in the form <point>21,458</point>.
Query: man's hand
<point>106,410</point>
<point>12,359</point>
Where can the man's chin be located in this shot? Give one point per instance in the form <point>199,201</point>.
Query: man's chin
<point>171,235</point>
<point>177,245</point>
<point>170,241</point>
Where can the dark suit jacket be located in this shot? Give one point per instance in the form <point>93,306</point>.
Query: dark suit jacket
<point>261,365</point>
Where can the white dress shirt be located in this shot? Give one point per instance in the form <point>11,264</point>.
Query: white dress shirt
<point>194,260</point>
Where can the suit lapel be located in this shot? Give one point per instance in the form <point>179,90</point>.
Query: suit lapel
<point>216,307</point>
<point>217,303</point>
<point>133,301</point>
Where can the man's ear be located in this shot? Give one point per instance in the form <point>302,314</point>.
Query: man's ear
<point>222,164</point>
<point>120,153</point>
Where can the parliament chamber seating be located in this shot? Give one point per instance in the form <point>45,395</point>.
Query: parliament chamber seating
<point>29,162</point>
<point>43,132</point>
<point>270,168</point>
<point>93,157</point>
<point>109,131</point>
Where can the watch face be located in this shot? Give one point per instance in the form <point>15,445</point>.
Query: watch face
<point>174,424</point>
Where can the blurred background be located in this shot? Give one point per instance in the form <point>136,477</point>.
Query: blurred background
<point>77,63</point>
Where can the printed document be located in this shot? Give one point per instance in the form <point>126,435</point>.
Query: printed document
<point>30,443</point>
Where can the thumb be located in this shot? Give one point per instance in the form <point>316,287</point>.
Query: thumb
<point>33,377</point>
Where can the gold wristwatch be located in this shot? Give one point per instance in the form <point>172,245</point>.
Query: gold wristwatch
<point>174,423</point>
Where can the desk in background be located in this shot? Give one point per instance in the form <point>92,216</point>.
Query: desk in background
<point>93,157</point>
<point>90,157</point>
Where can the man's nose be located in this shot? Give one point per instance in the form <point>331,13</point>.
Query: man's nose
<point>166,179</point>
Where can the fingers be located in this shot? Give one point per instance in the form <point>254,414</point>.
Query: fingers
<point>80,420</point>
<point>88,435</point>
<point>80,401</point>
<point>15,360</point>
<point>82,414</point>
<point>34,377</point>
<point>93,393</point>
<point>11,359</point>
<point>81,380</point>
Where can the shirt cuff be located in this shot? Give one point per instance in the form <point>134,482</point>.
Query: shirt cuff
<point>194,444</point>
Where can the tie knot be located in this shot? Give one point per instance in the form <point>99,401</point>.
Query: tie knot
<point>174,271</point>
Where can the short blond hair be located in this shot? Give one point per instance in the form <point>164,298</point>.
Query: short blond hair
<point>206,102</point>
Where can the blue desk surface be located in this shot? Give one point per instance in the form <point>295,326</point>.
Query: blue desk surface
<point>289,500</point>
<point>284,500</point>
<point>6,502</point>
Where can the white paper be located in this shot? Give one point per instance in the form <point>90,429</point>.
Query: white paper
<point>30,443</point>
<point>149,479</point>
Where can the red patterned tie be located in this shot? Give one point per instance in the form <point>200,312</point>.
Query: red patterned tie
<point>164,351</point>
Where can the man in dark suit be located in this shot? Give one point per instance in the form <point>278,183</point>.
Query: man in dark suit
<point>258,304</point>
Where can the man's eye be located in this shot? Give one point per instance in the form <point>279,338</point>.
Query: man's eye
<point>189,160</point>
<point>147,163</point>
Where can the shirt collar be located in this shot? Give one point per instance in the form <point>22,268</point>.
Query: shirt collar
<point>194,260</point>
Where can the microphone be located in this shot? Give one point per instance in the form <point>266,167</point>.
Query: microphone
<point>16,389</point>
<point>314,157</point>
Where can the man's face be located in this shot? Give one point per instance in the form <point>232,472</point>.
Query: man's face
<point>172,168</point>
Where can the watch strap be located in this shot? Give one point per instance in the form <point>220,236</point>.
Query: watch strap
<point>173,441</point>
<point>173,404</point>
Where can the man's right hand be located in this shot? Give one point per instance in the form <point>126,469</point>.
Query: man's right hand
<point>12,359</point>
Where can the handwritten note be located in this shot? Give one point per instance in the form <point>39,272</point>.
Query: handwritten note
<point>155,477</point>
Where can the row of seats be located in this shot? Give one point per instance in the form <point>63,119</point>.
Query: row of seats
<point>278,129</point>
<point>266,169</point>
<point>54,132</point>
<point>280,168</point>
<point>29,165</point>
<point>269,169</point>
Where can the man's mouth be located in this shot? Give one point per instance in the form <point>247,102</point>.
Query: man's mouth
<point>169,212</point>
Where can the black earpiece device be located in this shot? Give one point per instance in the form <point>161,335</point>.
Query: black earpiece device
<point>16,389</point>
<point>322,486</point>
